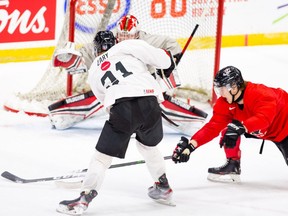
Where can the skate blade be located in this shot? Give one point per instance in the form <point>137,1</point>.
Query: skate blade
<point>165,202</point>
<point>230,178</point>
<point>77,211</point>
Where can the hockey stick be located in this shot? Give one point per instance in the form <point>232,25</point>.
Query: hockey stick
<point>187,43</point>
<point>178,102</point>
<point>75,174</point>
<point>165,79</point>
<point>167,119</point>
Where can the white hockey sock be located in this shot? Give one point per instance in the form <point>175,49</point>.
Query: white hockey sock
<point>154,160</point>
<point>96,171</point>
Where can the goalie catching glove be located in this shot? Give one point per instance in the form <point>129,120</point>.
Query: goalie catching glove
<point>70,59</point>
<point>168,71</point>
<point>182,151</point>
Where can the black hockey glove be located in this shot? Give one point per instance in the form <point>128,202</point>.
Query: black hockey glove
<point>182,151</point>
<point>177,57</point>
<point>169,70</point>
<point>234,130</point>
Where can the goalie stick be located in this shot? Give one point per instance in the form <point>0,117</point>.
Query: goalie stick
<point>175,101</point>
<point>74,174</point>
<point>187,43</point>
<point>185,106</point>
<point>175,77</point>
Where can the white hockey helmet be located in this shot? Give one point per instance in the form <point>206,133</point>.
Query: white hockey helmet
<point>127,28</point>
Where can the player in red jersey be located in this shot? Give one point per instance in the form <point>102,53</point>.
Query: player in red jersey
<point>243,108</point>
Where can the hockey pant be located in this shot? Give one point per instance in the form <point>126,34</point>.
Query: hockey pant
<point>101,162</point>
<point>283,148</point>
<point>235,152</point>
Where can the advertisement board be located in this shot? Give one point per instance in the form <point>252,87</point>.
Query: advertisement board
<point>37,25</point>
<point>26,21</point>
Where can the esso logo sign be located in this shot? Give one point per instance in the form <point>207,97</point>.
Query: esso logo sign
<point>28,20</point>
<point>96,8</point>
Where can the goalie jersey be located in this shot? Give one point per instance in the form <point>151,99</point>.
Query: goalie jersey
<point>122,71</point>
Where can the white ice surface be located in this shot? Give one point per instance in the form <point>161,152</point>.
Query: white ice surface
<point>31,149</point>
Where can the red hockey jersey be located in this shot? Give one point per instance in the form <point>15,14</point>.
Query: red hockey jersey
<point>265,114</point>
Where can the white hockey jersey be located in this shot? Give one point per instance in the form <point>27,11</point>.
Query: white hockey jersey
<point>122,71</point>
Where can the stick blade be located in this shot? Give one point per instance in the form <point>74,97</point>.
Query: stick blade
<point>69,185</point>
<point>12,177</point>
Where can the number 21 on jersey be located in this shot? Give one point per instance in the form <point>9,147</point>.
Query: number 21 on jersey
<point>109,78</point>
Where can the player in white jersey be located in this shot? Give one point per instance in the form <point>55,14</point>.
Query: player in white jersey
<point>121,81</point>
<point>130,73</point>
<point>67,112</point>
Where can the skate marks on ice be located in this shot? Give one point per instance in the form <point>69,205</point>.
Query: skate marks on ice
<point>169,202</point>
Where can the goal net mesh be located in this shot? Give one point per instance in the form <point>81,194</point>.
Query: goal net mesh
<point>175,18</point>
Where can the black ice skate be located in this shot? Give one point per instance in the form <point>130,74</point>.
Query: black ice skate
<point>77,206</point>
<point>229,172</point>
<point>161,192</point>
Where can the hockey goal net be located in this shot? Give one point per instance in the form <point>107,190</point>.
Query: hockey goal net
<point>174,18</point>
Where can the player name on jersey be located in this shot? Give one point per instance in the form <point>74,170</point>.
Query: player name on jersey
<point>102,58</point>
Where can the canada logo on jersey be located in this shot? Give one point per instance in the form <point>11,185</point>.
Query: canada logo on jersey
<point>105,65</point>
<point>258,133</point>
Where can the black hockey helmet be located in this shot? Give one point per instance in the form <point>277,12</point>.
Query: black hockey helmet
<point>103,41</point>
<point>228,76</point>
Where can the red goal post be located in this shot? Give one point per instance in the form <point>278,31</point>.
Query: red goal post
<point>173,18</point>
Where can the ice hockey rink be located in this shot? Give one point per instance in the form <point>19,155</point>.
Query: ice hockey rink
<point>31,149</point>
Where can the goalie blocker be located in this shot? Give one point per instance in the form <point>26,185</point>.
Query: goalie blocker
<point>74,109</point>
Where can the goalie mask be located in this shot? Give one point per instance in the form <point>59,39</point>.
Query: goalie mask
<point>103,41</point>
<point>127,28</point>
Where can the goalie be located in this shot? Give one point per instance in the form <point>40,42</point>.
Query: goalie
<point>72,110</point>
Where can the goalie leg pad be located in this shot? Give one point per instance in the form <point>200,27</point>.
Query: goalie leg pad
<point>72,110</point>
<point>185,121</point>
